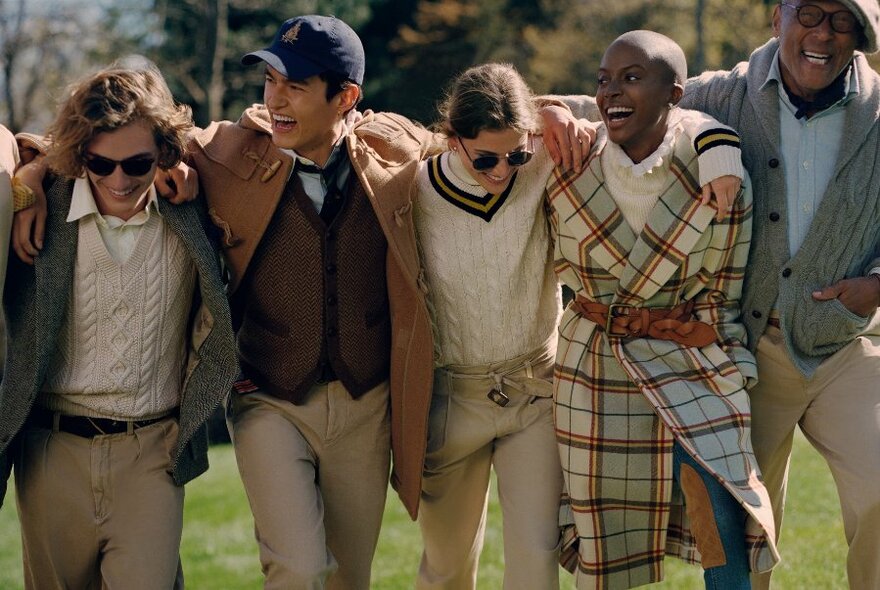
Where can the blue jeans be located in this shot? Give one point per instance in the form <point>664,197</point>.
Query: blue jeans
<point>730,519</point>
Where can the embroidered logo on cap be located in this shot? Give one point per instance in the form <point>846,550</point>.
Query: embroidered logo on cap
<point>292,34</point>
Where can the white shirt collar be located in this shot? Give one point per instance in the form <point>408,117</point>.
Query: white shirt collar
<point>82,204</point>
<point>656,158</point>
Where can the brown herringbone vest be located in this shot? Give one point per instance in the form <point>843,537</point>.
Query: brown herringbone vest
<point>314,300</point>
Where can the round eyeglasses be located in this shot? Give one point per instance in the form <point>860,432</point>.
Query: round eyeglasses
<point>810,16</point>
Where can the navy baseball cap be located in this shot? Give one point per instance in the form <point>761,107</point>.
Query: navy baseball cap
<point>306,46</point>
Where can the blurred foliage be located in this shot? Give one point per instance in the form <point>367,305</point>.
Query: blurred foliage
<point>413,47</point>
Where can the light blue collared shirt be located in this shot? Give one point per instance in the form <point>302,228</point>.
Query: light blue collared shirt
<point>809,150</point>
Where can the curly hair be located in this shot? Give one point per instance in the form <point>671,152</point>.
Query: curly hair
<point>109,100</point>
<point>491,96</point>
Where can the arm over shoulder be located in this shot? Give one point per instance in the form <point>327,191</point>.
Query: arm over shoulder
<point>8,151</point>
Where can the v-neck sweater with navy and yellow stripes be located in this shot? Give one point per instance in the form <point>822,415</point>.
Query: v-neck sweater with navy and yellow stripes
<point>487,260</point>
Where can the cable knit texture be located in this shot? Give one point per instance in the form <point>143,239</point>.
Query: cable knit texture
<point>122,348</point>
<point>491,284</point>
<point>36,303</point>
<point>843,241</point>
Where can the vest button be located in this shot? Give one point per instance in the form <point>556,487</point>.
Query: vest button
<point>330,235</point>
<point>331,269</point>
<point>331,300</point>
<point>773,163</point>
<point>756,314</point>
<point>786,272</point>
<point>774,217</point>
<point>331,331</point>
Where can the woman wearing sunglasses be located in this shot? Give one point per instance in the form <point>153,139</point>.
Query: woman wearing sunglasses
<point>495,303</point>
<point>120,346</point>
<point>486,249</point>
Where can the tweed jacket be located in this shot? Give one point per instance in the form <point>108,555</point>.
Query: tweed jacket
<point>8,161</point>
<point>611,391</point>
<point>243,175</point>
<point>35,304</point>
<point>843,240</point>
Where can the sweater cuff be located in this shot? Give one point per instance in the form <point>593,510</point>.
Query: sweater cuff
<point>720,160</point>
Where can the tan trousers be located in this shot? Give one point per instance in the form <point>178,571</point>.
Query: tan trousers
<point>316,476</point>
<point>100,512</point>
<point>838,410</point>
<point>469,433</point>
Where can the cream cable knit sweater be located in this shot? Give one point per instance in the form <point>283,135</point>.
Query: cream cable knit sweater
<point>122,348</point>
<point>636,188</point>
<point>492,286</point>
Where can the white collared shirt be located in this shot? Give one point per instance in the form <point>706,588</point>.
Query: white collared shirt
<point>118,235</point>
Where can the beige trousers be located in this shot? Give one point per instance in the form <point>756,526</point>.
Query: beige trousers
<point>468,434</point>
<point>100,512</point>
<point>316,476</point>
<point>838,410</point>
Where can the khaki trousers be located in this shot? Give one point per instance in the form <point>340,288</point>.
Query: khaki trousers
<point>100,512</point>
<point>316,476</point>
<point>838,410</point>
<point>469,433</point>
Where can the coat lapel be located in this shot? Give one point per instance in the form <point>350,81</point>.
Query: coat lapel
<point>674,226</point>
<point>53,268</point>
<point>587,209</point>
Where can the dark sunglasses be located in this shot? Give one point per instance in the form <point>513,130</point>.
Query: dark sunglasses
<point>810,15</point>
<point>134,166</point>
<point>480,163</point>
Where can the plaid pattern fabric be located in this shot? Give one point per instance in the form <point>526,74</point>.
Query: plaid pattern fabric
<point>621,403</point>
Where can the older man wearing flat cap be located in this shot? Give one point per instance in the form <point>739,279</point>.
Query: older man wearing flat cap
<point>806,105</point>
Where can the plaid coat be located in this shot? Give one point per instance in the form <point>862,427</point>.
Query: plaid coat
<point>620,403</point>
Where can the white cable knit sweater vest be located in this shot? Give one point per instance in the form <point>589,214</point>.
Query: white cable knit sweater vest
<point>491,284</point>
<point>122,348</point>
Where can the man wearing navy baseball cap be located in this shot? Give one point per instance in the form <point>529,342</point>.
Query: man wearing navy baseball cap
<point>328,303</point>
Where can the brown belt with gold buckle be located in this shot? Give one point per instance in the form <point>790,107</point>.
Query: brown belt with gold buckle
<point>663,323</point>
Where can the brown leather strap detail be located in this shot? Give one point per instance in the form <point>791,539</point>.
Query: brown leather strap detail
<point>698,506</point>
<point>676,323</point>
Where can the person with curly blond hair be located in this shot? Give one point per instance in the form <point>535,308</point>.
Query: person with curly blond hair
<point>120,346</point>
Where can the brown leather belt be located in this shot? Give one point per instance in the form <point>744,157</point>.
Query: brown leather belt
<point>663,323</point>
<point>85,426</point>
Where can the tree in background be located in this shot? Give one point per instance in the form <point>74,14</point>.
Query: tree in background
<point>445,37</point>
<point>38,48</point>
<point>201,42</point>
<point>413,47</point>
<point>566,54</point>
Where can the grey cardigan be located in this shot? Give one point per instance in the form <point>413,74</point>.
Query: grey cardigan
<point>35,301</point>
<point>844,238</point>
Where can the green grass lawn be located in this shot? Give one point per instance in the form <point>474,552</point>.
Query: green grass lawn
<point>219,552</point>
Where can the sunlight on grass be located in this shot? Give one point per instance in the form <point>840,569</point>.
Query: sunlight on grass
<point>219,551</point>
